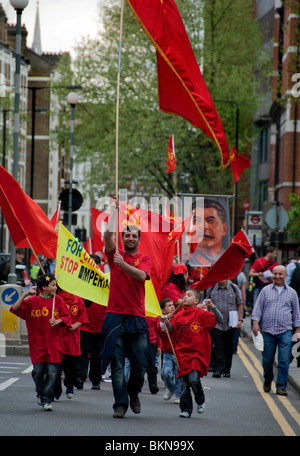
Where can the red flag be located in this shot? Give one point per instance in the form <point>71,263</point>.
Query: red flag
<point>171,156</point>
<point>182,89</point>
<point>227,267</point>
<point>55,218</point>
<point>238,164</point>
<point>25,218</point>
<point>242,238</point>
<point>157,241</point>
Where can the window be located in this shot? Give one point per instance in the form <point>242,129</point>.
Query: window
<point>264,144</point>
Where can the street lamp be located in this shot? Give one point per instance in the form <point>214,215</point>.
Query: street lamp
<point>72,99</point>
<point>19,6</point>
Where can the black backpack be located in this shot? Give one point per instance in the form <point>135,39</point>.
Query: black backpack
<point>295,280</point>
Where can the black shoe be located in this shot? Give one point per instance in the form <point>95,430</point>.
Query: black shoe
<point>79,384</point>
<point>216,375</point>
<point>119,412</point>
<point>153,389</point>
<point>135,404</point>
<point>281,392</point>
<point>226,374</point>
<point>95,386</point>
<point>267,387</point>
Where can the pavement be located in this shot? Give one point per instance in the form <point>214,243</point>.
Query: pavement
<point>294,371</point>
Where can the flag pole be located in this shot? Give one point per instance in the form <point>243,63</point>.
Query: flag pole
<point>35,256</point>
<point>117,120</point>
<point>172,347</point>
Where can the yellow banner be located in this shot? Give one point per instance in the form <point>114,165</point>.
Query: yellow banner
<point>78,274</point>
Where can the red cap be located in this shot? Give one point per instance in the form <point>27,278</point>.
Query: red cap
<point>180,269</point>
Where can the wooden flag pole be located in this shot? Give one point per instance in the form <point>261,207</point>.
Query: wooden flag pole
<point>117,121</point>
<point>173,350</point>
<point>35,256</point>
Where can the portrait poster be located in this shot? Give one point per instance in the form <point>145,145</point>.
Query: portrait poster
<point>208,234</point>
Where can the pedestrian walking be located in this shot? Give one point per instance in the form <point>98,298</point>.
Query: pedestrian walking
<point>191,329</point>
<point>261,271</point>
<point>169,363</point>
<point>71,336</point>
<point>227,297</point>
<point>45,317</point>
<point>125,330</point>
<point>277,307</point>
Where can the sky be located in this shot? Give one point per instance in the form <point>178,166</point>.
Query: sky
<point>62,22</point>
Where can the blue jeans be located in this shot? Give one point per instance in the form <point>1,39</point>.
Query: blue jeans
<point>44,376</point>
<point>283,342</point>
<point>169,373</point>
<point>191,381</point>
<point>133,346</point>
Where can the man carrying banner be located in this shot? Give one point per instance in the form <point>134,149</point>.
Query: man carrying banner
<point>125,330</point>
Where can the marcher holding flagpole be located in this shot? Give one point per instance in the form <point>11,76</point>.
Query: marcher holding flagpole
<point>45,334</point>
<point>125,330</point>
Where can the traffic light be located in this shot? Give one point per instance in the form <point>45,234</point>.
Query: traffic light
<point>80,234</point>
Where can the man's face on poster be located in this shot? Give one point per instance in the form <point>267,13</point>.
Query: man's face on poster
<point>208,230</point>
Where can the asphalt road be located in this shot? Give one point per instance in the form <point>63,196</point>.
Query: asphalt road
<point>235,406</point>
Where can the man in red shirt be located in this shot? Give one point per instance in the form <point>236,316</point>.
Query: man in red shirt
<point>45,317</point>
<point>261,271</point>
<point>125,330</point>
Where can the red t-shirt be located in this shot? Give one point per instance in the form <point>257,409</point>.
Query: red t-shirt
<point>262,264</point>
<point>96,314</point>
<point>192,339</point>
<point>45,342</point>
<point>127,295</point>
<point>78,313</point>
<point>171,291</point>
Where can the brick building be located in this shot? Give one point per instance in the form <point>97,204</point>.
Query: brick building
<point>275,170</point>
<point>39,157</point>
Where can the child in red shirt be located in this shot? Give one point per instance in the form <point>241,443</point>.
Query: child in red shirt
<point>45,317</point>
<point>191,328</point>
<point>169,365</point>
<point>72,352</point>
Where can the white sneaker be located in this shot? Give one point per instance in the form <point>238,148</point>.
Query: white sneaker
<point>201,408</point>
<point>184,415</point>
<point>177,400</point>
<point>70,393</point>
<point>168,394</point>
<point>39,400</point>
<point>47,407</point>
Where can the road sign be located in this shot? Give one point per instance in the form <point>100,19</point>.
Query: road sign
<point>9,323</point>
<point>271,218</point>
<point>9,296</point>
<point>246,205</point>
<point>254,219</point>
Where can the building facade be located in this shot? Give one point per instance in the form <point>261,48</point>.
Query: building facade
<point>275,169</point>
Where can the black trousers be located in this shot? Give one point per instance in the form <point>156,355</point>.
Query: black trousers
<point>222,350</point>
<point>191,381</point>
<point>90,360</point>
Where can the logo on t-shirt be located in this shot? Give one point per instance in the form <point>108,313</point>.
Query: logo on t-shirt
<point>195,327</point>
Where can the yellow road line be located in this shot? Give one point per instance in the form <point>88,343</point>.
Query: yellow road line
<point>287,404</point>
<point>283,424</point>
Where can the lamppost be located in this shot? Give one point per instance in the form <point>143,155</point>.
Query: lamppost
<point>19,6</point>
<point>72,99</point>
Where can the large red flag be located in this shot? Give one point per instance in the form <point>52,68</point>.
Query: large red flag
<point>182,89</point>
<point>227,267</point>
<point>238,164</point>
<point>157,239</point>
<point>171,162</point>
<point>25,218</point>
